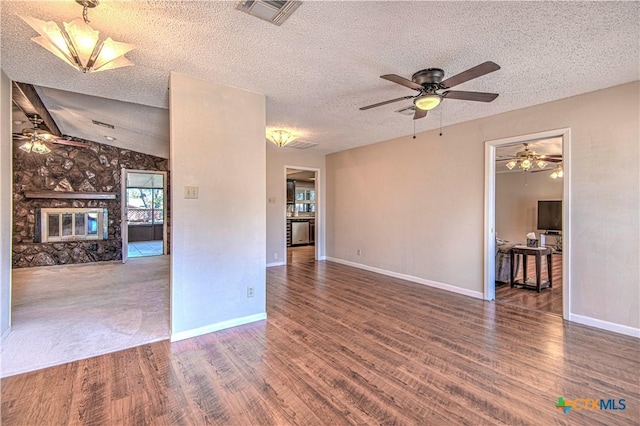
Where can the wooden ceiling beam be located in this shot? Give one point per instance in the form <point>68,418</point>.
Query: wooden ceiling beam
<point>26,98</point>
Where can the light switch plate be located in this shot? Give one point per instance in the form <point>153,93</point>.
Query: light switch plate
<point>191,192</point>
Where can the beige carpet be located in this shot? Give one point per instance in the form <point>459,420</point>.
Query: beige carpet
<point>65,313</point>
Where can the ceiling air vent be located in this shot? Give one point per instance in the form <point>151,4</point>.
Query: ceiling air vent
<point>275,12</point>
<point>300,145</point>
<point>101,124</point>
<point>410,110</point>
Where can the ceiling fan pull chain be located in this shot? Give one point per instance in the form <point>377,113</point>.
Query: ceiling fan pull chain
<point>414,129</point>
<point>441,112</point>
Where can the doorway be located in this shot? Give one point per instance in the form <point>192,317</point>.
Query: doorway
<point>301,214</point>
<point>144,205</point>
<point>500,239</point>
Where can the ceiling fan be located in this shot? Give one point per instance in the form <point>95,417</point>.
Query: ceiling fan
<point>36,138</point>
<point>527,159</point>
<point>429,81</point>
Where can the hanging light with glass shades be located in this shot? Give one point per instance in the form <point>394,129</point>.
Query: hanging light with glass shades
<point>78,44</point>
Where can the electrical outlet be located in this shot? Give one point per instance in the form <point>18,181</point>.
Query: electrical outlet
<point>250,292</point>
<point>358,252</point>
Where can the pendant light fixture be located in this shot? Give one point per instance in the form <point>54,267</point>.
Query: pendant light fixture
<point>78,44</point>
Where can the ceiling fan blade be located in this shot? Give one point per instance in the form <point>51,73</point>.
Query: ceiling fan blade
<point>19,137</point>
<point>402,81</point>
<point>385,102</point>
<point>552,160</point>
<point>506,159</point>
<point>419,113</point>
<point>543,156</point>
<point>68,142</point>
<point>470,96</point>
<point>470,74</point>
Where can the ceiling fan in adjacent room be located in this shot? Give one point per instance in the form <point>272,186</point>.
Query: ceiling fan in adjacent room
<point>527,159</point>
<point>429,81</point>
<point>36,139</point>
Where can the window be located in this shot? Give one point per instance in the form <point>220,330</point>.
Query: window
<point>305,198</point>
<point>71,224</point>
<point>145,205</point>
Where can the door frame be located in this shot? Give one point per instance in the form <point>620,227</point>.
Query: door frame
<point>490,214</point>
<point>318,241</point>
<point>124,225</point>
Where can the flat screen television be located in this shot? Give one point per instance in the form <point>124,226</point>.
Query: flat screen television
<point>550,216</point>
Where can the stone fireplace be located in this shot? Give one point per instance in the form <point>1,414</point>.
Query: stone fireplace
<point>67,204</point>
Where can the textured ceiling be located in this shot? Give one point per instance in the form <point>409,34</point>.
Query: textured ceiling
<point>324,62</point>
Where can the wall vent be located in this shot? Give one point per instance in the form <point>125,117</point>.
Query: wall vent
<point>300,145</point>
<point>272,11</point>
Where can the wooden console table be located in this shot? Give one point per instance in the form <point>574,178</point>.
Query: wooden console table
<point>538,252</point>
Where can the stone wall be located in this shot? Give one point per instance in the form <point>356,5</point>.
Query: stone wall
<point>96,168</point>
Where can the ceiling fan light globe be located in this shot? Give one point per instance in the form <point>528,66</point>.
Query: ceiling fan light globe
<point>40,148</point>
<point>560,173</point>
<point>427,102</point>
<point>511,164</point>
<point>26,147</point>
<point>554,175</point>
<point>526,164</point>
<point>541,164</point>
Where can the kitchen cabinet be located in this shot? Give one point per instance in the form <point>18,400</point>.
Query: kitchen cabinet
<point>288,233</point>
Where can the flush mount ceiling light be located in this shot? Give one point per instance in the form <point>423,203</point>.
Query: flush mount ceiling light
<point>78,44</point>
<point>280,137</point>
<point>427,102</point>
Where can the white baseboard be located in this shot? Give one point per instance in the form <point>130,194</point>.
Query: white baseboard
<point>269,265</point>
<point>435,284</point>
<point>322,257</point>
<point>5,334</point>
<point>605,325</point>
<point>187,334</point>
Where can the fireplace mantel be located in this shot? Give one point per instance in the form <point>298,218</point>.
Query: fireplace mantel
<point>71,195</point>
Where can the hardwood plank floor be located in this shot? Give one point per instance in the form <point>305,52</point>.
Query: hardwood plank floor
<point>548,300</point>
<point>301,254</point>
<point>346,346</point>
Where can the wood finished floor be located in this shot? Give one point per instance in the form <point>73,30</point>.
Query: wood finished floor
<point>548,300</point>
<point>301,254</point>
<point>345,346</point>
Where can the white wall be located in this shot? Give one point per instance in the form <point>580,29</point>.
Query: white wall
<point>217,240</point>
<point>277,159</point>
<point>5,205</point>
<point>517,204</point>
<point>416,207</point>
